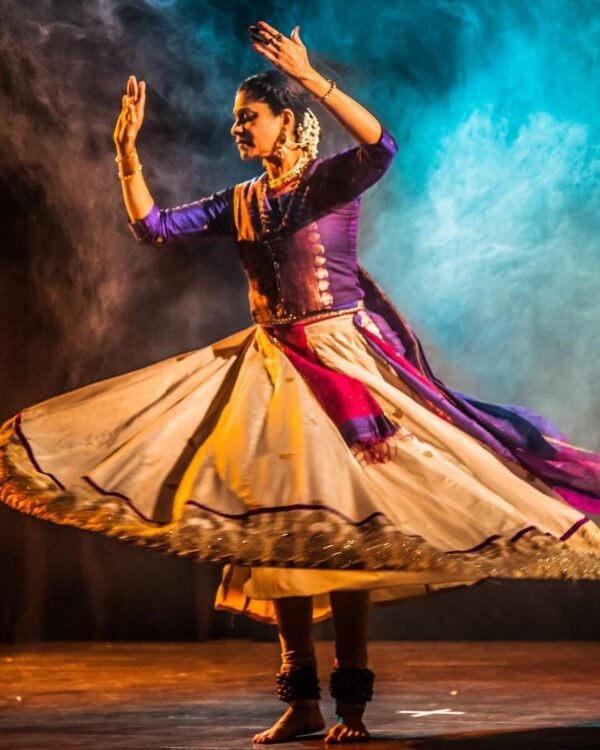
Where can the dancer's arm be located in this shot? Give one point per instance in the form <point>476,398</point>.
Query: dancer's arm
<point>137,197</point>
<point>290,55</point>
<point>205,217</point>
<point>148,223</point>
<point>343,177</point>
<point>340,178</point>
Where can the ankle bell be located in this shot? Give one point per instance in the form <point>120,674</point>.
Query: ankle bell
<point>300,683</point>
<point>351,685</point>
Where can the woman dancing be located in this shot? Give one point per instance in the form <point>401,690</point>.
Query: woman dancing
<point>314,452</point>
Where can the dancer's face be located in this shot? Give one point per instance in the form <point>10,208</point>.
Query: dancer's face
<point>256,128</point>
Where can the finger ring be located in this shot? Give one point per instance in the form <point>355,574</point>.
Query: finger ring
<point>278,36</point>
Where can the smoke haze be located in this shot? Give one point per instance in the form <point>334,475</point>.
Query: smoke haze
<point>485,232</point>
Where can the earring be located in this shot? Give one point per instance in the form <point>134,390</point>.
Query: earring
<point>280,144</point>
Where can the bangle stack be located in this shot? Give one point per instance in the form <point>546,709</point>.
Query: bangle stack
<point>137,170</point>
<point>332,87</point>
<point>120,159</point>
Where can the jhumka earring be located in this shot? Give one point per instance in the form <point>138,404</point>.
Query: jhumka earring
<point>308,133</point>
<point>280,144</point>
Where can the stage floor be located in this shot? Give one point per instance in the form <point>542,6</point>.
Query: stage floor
<point>217,694</point>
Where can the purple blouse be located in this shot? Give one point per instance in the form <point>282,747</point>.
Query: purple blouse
<point>309,265</point>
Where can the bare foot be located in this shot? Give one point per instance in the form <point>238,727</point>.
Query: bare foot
<point>352,729</point>
<point>302,717</point>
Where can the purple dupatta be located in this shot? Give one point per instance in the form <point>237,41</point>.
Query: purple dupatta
<point>511,431</point>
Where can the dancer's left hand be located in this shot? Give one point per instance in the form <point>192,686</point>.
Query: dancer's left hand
<point>288,54</point>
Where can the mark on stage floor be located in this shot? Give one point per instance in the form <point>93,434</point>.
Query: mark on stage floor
<point>417,714</point>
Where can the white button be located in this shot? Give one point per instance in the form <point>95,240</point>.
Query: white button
<point>320,260</point>
<point>326,298</point>
<point>323,285</point>
<point>318,248</point>
<point>314,236</point>
<point>322,273</point>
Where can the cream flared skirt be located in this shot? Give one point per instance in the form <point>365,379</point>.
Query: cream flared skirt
<point>224,454</point>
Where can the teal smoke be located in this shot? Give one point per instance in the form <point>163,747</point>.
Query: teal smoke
<point>485,232</point>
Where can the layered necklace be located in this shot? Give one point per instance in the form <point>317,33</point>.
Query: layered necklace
<point>296,200</point>
<point>275,183</point>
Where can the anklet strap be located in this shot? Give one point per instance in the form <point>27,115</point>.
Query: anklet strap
<point>298,683</point>
<point>351,685</point>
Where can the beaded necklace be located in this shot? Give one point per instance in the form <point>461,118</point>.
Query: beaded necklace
<point>291,174</point>
<point>293,209</point>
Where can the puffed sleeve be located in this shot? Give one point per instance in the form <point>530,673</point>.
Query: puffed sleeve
<point>344,176</point>
<point>166,226</point>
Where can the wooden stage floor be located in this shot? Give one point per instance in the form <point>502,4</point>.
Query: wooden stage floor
<point>213,695</point>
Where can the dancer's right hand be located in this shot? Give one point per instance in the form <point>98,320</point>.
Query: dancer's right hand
<point>131,116</point>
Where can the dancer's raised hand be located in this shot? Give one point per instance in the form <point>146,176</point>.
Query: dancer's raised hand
<point>131,116</point>
<point>288,54</point>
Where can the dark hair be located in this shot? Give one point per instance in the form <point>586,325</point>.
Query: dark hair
<point>278,91</point>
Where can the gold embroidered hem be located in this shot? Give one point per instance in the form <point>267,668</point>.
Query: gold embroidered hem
<point>224,454</point>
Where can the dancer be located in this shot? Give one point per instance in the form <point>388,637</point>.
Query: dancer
<point>315,452</point>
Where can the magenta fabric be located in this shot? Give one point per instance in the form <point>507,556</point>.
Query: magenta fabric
<point>348,403</point>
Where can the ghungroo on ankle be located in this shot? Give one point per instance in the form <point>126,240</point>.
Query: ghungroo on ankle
<point>299,683</point>
<point>351,685</point>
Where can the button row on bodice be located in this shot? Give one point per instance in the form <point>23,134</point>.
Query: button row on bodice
<point>322,273</point>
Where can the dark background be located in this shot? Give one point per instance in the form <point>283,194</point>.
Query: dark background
<point>485,233</point>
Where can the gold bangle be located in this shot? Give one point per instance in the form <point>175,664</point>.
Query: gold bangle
<point>131,174</point>
<point>332,86</point>
<point>126,156</point>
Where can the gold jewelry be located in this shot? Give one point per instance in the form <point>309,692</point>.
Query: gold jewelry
<point>332,87</point>
<point>307,132</point>
<point>295,206</point>
<point>125,156</point>
<point>278,36</point>
<point>283,185</point>
<point>131,174</point>
<point>291,174</point>
<point>280,143</point>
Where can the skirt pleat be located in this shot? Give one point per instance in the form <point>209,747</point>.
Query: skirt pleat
<point>224,454</point>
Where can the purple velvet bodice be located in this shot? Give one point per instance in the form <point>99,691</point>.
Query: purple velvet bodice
<point>311,265</point>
